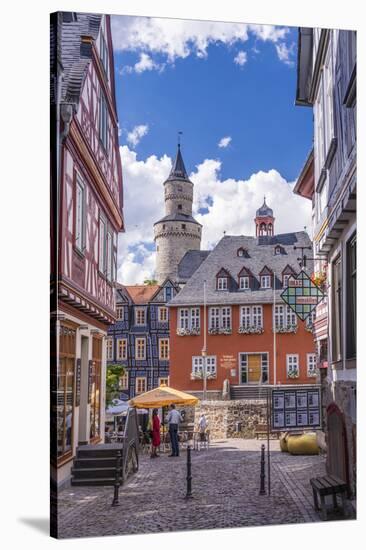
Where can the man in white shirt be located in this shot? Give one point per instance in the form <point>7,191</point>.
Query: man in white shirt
<point>202,425</point>
<point>173,420</point>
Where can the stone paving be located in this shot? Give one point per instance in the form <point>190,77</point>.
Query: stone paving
<point>225,487</point>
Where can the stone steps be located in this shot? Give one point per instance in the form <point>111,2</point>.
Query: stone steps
<point>248,392</point>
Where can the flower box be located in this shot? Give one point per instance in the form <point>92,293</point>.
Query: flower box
<point>311,373</point>
<point>219,331</point>
<point>250,330</point>
<point>283,329</point>
<point>293,373</point>
<point>188,331</point>
<point>199,375</point>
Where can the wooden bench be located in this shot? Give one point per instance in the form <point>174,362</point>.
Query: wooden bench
<point>261,429</point>
<point>328,485</point>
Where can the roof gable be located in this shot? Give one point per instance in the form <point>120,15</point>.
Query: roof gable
<point>266,271</point>
<point>141,294</point>
<point>245,272</point>
<point>223,273</point>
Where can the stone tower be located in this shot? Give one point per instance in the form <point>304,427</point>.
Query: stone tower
<point>264,221</point>
<point>178,231</point>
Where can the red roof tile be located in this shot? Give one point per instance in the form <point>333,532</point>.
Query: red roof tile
<point>141,294</point>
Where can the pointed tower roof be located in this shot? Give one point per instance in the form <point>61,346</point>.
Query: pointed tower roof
<point>178,170</point>
<point>264,210</point>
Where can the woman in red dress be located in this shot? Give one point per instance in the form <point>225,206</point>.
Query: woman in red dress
<point>155,443</point>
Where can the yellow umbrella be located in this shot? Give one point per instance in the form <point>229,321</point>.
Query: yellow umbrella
<point>161,397</point>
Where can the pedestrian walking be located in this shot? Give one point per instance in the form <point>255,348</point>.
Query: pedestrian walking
<point>173,420</point>
<point>202,426</point>
<point>155,440</point>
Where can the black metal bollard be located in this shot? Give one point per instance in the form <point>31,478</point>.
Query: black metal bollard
<point>262,490</point>
<point>117,481</point>
<point>189,473</point>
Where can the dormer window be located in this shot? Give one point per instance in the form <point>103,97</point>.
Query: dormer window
<point>285,280</point>
<point>242,253</point>
<point>222,283</point>
<point>265,281</point>
<point>277,250</point>
<point>286,274</point>
<point>244,283</point>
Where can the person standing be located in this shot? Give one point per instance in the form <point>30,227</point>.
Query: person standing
<point>173,420</point>
<point>155,442</point>
<point>202,425</point>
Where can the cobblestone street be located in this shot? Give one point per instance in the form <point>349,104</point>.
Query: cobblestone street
<point>225,486</point>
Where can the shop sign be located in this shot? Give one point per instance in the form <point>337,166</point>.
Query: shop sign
<point>302,295</point>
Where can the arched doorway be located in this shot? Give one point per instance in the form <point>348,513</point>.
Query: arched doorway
<point>337,455</point>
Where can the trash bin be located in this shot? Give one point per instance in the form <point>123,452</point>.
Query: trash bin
<point>238,427</point>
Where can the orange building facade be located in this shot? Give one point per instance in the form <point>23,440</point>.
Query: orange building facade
<point>253,337</point>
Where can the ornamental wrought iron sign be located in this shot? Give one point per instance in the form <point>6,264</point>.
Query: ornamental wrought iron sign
<point>296,408</point>
<point>302,295</point>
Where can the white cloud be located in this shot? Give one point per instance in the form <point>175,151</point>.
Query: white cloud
<point>241,58</point>
<point>134,137</point>
<point>176,38</point>
<point>285,53</point>
<point>224,142</point>
<point>229,204</point>
<point>145,63</point>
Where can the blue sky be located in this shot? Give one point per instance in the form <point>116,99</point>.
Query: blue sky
<point>211,81</point>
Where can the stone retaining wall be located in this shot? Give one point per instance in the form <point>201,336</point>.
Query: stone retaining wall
<point>222,416</point>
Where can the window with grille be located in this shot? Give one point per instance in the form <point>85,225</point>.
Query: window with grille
<point>104,54</point>
<point>140,353</point>
<point>103,121</point>
<point>291,318</point>
<point>257,316</point>
<point>163,314</point>
<point>195,317</point>
<point>226,317</point>
<point>222,283</point>
<point>102,250</point>
<point>120,312</point>
<point>292,364</point>
<point>279,316</point>
<point>123,381</point>
<point>197,364</point>
<point>244,283</point>
<point>95,385</point>
<point>245,316</point>
<point>337,310</point>
<point>163,380</point>
<point>109,257</point>
<point>265,281</point>
<point>140,384</point>
<point>183,318</point>
<point>311,364</point>
<point>140,313</point>
<point>121,349</point>
<point>214,317</point>
<point>80,220</point>
<point>109,349</point>
<point>164,349</point>
<point>285,279</point>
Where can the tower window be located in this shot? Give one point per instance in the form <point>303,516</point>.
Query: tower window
<point>183,225</point>
<point>180,188</point>
<point>164,226</point>
<point>179,207</point>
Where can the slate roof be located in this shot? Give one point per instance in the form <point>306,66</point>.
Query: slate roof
<point>190,262</point>
<point>178,171</point>
<point>141,294</point>
<point>73,55</point>
<point>178,217</point>
<point>224,255</point>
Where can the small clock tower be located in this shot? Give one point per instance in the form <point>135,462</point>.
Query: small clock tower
<point>264,221</point>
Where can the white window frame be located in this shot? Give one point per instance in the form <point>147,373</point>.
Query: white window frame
<point>222,283</point>
<point>265,281</point>
<point>109,255</point>
<point>225,317</point>
<point>211,364</point>
<point>310,364</point>
<point>139,348</point>
<point>244,282</point>
<point>246,316</point>
<point>291,317</point>
<point>137,380</point>
<point>163,314</point>
<point>121,348</point>
<point>102,244</point>
<point>285,279</point>
<point>214,317</point>
<point>163,380</point>
<point>109,348</point>
<point>80,217</point>
<point>103,120</point>
<point>183,318</point>
<point>195,317</point>
<point>257,316</point>
<point>123,381</point>
<point>140,311</point>
<point>120,312</point>
<point>162,342</point>
<point>292,360</point>
<point>104,54</point>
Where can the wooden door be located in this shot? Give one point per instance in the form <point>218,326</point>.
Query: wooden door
<point>254,368</point>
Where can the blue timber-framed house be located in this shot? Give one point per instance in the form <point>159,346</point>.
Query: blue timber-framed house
<point>139,339</point>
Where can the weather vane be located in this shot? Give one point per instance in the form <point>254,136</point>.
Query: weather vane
<point>179,134</point>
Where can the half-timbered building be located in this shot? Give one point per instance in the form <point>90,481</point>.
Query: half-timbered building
<point>86,199</point>
<point>139,340</point>
<point>326,82</point>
